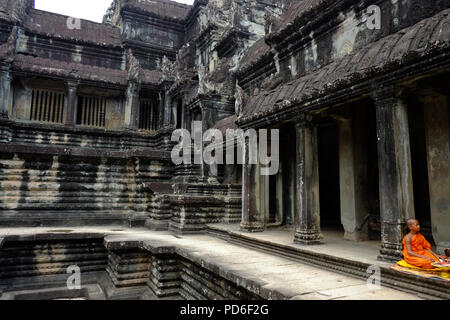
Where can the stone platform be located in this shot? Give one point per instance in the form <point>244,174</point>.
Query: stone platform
<point>336,254</point>
<point>204,267</point>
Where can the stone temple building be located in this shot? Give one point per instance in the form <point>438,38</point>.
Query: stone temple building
<point>359,90</point>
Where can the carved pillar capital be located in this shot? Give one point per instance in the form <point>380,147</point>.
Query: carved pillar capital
<point>382,91</point>
<point>72,86</point>
<point>166,86</point>
<point>387,95</point>
<point>304,120</point>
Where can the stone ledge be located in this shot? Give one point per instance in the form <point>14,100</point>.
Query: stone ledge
<point>241,279</point>
<point>69,219</point>
<point>245,272</point>
<point>357,269</point>
<point>84,152</point>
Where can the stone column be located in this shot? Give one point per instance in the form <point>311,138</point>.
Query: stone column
<point>71,103</point>
<point>162,102</point>
<point>252,219</point>
<point>307,224</point>
<point>394,160</point>
<point>167,114</point>
<point>5,92</point>
<point>437,130</point>
<point>186,117</point>
<point>353,179</point>
<point>280,193</point>
<point>132,106</point>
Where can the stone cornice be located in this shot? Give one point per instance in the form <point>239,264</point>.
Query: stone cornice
<point>84,130</point>
<point>359,87</point>
<point>84,152</point>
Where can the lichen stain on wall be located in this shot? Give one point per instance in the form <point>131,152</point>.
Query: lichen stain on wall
<point>11,183</point>
<point>345,36</point>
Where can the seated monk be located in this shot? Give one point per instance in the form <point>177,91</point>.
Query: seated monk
<point>416,249</point>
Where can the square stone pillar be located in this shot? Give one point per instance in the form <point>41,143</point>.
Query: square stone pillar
<point>132,106</point>
<point>167,112</point>
<point>71,103</point>
<point>307,224</point>
<point>5,92</point>
<point>353,179</point>
<point>394,160</point>
<point>437,130</point>
<point>252,215</point>
<point>162,97</point>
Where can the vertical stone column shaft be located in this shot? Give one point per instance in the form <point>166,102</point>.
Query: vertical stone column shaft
<point>167,114</point>
<point>394,159</point>
<point>251,209</point>
<point>132,106</point>
<point>5,91</point>
<point>71,103</point>
<point>307,226</point>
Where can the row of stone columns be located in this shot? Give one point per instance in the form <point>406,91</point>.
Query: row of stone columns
<point>6,93</point>
<point>131,103</point>
<point>395,176</point>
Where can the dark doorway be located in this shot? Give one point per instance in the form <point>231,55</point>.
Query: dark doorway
<point>288,137</point>
<point>330,206</point>
<point>179,114</point>
<point>419,165</point>
<point>373,173</point>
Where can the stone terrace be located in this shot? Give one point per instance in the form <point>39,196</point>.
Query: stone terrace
<point>265,275</point>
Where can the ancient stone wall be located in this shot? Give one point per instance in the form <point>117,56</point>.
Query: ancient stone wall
<point>307,39</point>
<point>76,190</point>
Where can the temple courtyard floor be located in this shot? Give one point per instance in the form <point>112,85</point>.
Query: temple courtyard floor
<point>269,263</point>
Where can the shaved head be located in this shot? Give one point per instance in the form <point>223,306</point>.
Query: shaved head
<point>411,222</point>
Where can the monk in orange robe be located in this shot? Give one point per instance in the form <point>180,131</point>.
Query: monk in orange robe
<point>416,249</point>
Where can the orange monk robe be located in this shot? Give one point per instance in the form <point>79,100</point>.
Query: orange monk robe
<point>419,245</point>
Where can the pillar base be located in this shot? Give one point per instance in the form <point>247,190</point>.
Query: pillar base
<point>252,227</point>
<point>391,252</point>
<point>309,237</point>
<point>357,236</point>
<point>441,248</point>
